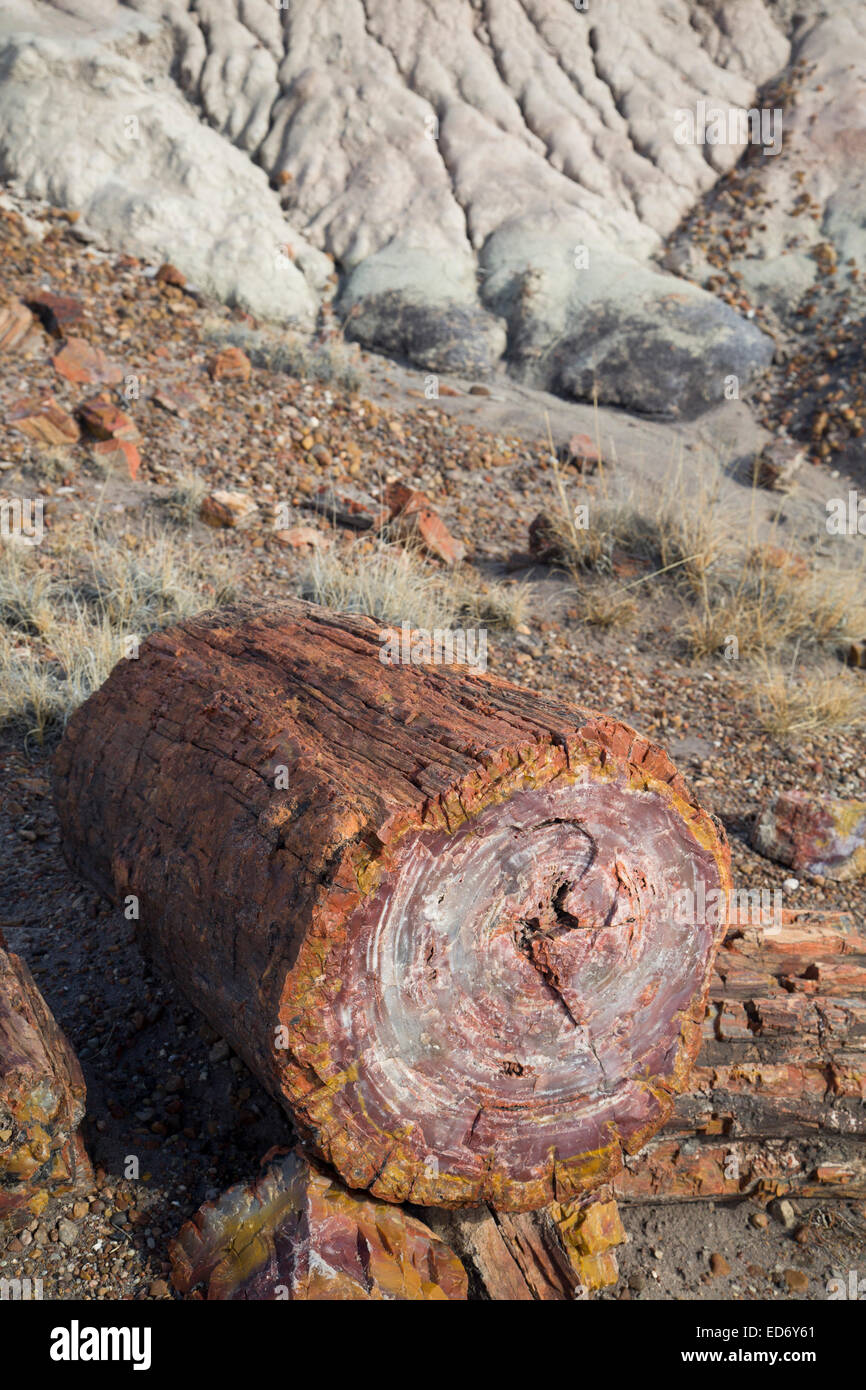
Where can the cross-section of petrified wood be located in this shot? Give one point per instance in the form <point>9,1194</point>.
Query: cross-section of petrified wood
<point>432,911</point>
<point>298,1234</point>
<point>41,1098</point>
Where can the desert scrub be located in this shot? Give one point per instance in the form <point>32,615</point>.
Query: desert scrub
<point>68,616</point>
<point>775,600</point>
<point>396,584</point>
<point>330,360</point>
<point>792,704</point>
<point>183,502</point>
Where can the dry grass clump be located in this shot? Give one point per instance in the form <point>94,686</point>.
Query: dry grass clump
<point>397,585</point>
<point>386,582</point>
<point>501,603</point>
<point>331,361</point>
<point>794,704</point>
<point>68,618</point>
<point>769,607</point>
<point>606,605</point>
<point>181,505</point>
<point>732,581</point>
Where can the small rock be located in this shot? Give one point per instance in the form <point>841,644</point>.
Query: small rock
<point>230,365</point>
<point>760,1220</point>
<point>67,1232</point>
<point>784,1212</point>
<point>777,465</point>
<point>219,1052</point>
<point>415,519</point>
<point>56,311</point>
<point>169,274</point>
<point>227,508</point>
<point>719,1265</point>
<point>813,834</point>
<point>796,1279</point>
<point>80,1210</point>
<point>579,452</point>
<point>176,400</point>
<point>17,327</point>
<point>299,536</point>
<point>78,361</point>
<point>104,420</point>
<point>43,419</point>
<point>158,1289</point>
<point>118,456</point>
<point>544,542</point>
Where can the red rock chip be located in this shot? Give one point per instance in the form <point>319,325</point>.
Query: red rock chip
<point>226,508</point>
<point>16,325</point>
<point>298,536</point>
<point>43,419</point>
<point>415,519</point>
<point>102,419</point>
<point>170,275</point>
<point>119,455</point>
<point>78,361</point>
<point>56,311</point>
<point>230,365</point>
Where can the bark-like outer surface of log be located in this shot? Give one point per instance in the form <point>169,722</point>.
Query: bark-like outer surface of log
<point>42,1096</point>
<point>446,944</point>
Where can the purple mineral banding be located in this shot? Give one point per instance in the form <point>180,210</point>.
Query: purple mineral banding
<point>511,986</point>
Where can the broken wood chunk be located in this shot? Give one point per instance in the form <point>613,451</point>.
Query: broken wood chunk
<point>298,1235</point>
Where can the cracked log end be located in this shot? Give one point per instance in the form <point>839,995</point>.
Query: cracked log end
<point>512,1002</point>
<point>297,1234</point>
<point>447,944</point>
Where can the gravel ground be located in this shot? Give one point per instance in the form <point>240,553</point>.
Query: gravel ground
<point>162,1088</point>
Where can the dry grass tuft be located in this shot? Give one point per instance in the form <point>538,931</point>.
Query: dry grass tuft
<point>183,502</point>
<point>63,628</point>
<point>795,704</point>
<point>397,585</point>
<point>331,361</point>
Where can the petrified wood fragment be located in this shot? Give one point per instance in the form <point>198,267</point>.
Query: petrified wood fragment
<point>298,1234</point>
<point>432,911</point>
<point>776,1099</point>
<point>41,1098</point>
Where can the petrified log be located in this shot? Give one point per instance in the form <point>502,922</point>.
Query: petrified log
<point>429,909</point>
<point>41,1099</point>
<point>297,1234</point>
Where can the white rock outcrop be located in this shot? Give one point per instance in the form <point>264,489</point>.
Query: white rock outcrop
<point>474,179</point>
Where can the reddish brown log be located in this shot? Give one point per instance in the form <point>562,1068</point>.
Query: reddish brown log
<point>447,944</point>
<point>41,1099</point>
